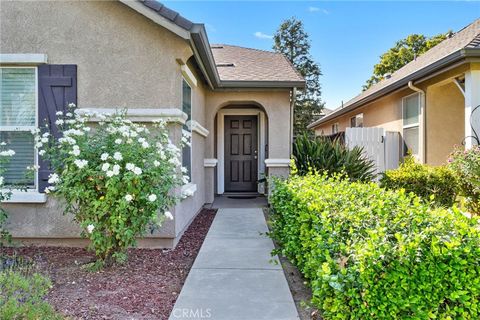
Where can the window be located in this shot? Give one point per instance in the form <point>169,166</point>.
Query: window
<point>357,121</point>
<point>187,108</point>
<point>335,128</point>
<point>411,120</point>
<point>18,114</point>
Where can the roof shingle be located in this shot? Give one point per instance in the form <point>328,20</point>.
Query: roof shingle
<point>244,64</point>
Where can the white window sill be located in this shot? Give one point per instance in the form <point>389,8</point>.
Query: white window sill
<point>26,197</point>
<point>189,189</point>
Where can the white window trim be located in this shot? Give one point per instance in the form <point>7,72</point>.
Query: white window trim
<point>32,195</point>
<point>412,125</point>
<point>26,59</point>
<point>29,196</point>
<point>189,125</point>
<point>221,144</point>
<point>174,115</point>
<point>189,188</point>
<point>335,127</point>
<point>198,128</point>
<point>356,117</point>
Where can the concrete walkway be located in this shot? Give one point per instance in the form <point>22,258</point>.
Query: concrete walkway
<point>233,276</point>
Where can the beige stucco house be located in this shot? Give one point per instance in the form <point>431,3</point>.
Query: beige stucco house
<point>144,57</point>
<point>431,101</point>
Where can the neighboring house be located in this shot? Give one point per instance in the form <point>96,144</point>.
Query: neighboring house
<point>144,57</point>
<point>429,101</point>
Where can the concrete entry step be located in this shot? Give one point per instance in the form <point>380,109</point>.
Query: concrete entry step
<point>234,276</point>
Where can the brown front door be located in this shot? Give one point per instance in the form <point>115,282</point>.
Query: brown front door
<point>241,153</point>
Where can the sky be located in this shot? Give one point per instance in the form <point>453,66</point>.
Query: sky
<point>347,37</point>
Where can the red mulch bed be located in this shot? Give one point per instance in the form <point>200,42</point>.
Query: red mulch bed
<point>146,287</point>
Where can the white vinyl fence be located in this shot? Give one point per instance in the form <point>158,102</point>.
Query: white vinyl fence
<point>380,146</point>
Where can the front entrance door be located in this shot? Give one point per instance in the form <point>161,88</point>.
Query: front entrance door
<point>241,153</point>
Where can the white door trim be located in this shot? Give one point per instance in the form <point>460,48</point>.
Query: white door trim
<point>221,143</point>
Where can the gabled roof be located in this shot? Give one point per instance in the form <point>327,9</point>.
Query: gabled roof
<point>237,64</point>
<point>228,66</point>
<point>462,44</point>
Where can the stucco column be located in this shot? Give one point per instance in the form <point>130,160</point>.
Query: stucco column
<point>472,100</point>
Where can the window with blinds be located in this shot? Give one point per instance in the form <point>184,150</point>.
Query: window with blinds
<point>411,123</point>
<point>187,108</point>
<point>18,113</point>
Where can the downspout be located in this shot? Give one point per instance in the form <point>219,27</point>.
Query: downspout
<point>423,121</point>
<point>292,106</point>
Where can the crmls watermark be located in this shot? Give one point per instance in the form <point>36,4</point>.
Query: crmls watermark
<point>186,313</point>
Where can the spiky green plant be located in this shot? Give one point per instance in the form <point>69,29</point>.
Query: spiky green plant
<point>323,154</point>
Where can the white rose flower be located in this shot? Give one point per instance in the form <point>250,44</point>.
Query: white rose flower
<point>118,141</point>
<point>169,215</point>
<point>137,171</point>
<point>46,134</point>
<point>1,181</point>
<point>7,153</point>
<point>130,166</point>
<point>53,178</point>
<point>152,197</point>
<point>90,228</point>
<point>104,156</point>
<point>117,156</point>
<point>128,198</point>
<point>69,114</point>
<point>110,173</point>
<point>41,152</point>
<point>141,140</point>
<point>116,169</point>
<point>59,113</point>
<point>75,151</point>
<point>59,122</point>
<point>105,167</point>
<point>86,129</point>
<point>80,163</point>
<point>145,145</point>
<point>156,163</point>
<point>3,143</point>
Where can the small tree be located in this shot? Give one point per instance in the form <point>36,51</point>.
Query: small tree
<point>115,178</point>
<point>292,41</point>
<point>403,52</point>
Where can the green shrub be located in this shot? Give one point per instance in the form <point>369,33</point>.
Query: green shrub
<point>22,297</point>
<point>466,165</point>
<point>371,253</point>
<point>427,182</point>
<point>322,154</point>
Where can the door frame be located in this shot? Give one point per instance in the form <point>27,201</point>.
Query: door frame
<point>261,142</point>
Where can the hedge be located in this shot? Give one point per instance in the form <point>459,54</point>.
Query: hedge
<point>371,253</point>
<point>428,182</point>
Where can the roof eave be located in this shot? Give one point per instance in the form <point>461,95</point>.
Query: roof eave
<point>442,63</point>
<point>160,20</point>
<point>201,48</point>
<point>261,84</point>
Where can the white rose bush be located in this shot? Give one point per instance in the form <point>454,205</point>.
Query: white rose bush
<point>5,192</point>
<point>117,178</point>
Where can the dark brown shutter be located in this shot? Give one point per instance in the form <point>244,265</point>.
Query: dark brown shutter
<point>57,87</point>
